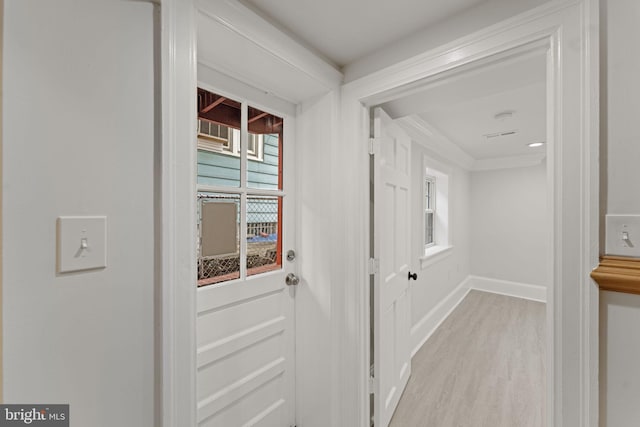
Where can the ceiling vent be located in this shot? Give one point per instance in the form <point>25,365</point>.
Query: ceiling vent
<point>499,135</point>
<point>504,115</point>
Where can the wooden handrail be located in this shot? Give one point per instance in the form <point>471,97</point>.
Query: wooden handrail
<point>618,274</point>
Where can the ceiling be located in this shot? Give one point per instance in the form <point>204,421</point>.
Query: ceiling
<point>459,107</point>
<point>466,123</point>
<point>463,108</point>
<point>346,30</point>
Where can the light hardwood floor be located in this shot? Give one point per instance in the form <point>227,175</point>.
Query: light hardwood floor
<point>483,367</point>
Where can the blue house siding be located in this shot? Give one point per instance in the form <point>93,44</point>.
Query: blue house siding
<point>224,169</point>
<point>218,169</point>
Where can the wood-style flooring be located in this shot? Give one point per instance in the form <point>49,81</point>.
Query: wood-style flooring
<point>483,367</point>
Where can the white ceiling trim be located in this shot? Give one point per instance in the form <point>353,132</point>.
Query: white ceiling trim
<point>508,162</point>
<point>448,56</point>
<point>427,136</point>
<point>246,23</point>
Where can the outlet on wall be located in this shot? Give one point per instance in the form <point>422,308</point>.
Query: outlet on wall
<point>623,235</point>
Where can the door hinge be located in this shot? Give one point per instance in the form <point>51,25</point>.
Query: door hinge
<point>374,143</point>
<point>373,385</point>
<point>374,266</point>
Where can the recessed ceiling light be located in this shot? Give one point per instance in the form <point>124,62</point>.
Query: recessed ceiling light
<point>535,144</point>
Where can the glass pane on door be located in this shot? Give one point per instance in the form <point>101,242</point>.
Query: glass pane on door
<point>218,140</point>
<point>264,150</point>
<point>264,234</point>
<point>219,238</point>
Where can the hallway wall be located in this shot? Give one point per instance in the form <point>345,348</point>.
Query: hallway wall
<point>439,280</point>
<point>79,138</point>
<point>509,225</point>
<point>620,152</point>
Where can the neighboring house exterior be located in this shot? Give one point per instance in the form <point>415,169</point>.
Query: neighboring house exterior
<point>223,168</point>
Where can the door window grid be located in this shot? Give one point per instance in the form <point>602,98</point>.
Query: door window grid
<point>258,190</point>
<point>263,245</point>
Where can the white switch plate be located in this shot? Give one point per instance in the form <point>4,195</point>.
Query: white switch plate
<point>82,243</point>
<point>616,225</point>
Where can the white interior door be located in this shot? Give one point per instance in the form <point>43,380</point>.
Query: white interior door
<point>245,311</point>
<point>391,246</point>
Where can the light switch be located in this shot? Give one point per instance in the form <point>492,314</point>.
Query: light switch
<point>623,235</point>
<point>82,243</point>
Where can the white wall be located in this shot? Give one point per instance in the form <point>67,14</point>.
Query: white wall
<point>79,140</point>
<point>620,349</point>
<point>438,280</point>
<point>509,225</point>
<point>621,99</point>
<point>620,108</point>
<point>464,23</point>
<point>315,358</point>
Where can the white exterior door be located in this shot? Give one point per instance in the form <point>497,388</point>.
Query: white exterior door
<point>245,311</point>
<point>391,246</point>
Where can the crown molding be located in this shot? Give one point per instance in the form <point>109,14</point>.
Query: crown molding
<point>430,138</point>
<point>508,162</point>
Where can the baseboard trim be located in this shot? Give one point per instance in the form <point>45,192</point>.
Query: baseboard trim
<point>505,287</point>
<point>423,330</point>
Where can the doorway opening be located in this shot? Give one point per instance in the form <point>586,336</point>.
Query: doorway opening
<point>481,211</point>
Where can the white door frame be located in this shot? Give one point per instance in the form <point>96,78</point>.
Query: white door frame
<point>570,28</point>
<point>176,350</point>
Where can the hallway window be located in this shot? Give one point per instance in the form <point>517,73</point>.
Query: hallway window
<point>429,210</point>
<point>435,191</point>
